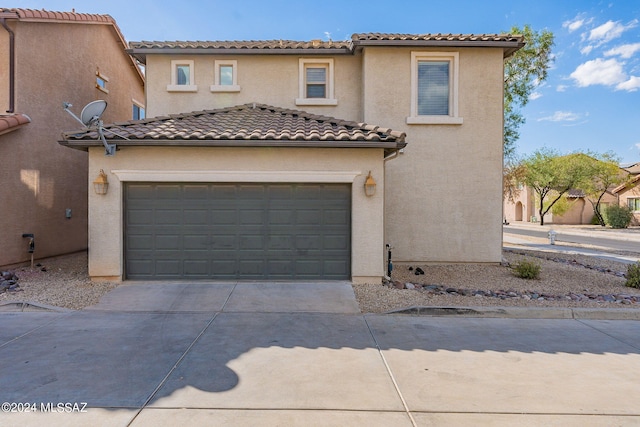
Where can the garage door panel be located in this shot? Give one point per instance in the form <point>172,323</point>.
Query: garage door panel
<point>198,242</point>
<point>171,242</point>
<point>196,268</point>
<point>196,216</point>
<point>237,231</point>
<point>223,216</point>
<point>251,217</point>
<point>168,216</point>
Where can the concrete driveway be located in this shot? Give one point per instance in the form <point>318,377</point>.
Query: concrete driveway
<point>270,354</point>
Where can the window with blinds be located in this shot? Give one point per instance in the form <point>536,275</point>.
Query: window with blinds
<point>433,88</point>
<point>316,81</point>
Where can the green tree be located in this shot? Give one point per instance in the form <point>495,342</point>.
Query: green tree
<point>604,173</point>
<point>525,70</point>
<point>551,176</point>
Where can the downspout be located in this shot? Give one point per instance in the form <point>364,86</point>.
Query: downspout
<point>12,65</point>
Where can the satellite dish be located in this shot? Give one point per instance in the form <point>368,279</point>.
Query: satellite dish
<point>90,117</point>
<point>92,112</point>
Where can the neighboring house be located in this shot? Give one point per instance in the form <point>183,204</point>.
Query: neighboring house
<point>255,160</point>
<point>629,195</point>
<point>47,58</point>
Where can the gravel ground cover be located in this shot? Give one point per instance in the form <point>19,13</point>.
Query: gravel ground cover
<point>563,279</point>
<point>63,282</point>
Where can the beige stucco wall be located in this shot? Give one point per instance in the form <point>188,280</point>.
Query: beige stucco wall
<point>444,193</point>
<point>189,164</point>
<point>266,79</point>
<point>55,62</point>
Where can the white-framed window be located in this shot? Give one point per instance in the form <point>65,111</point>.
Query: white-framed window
<point>634,203</point>
<point>182,76</point>
<point>225,76</point>
<point>316,85</point>
<point>101,82</point>
<point>434,88</point>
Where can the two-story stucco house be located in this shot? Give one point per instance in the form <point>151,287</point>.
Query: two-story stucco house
<point>256,159</point>
<point>47,58</point>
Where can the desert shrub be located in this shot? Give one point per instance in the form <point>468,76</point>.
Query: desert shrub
<point>526,269</point>
<point>618,216</point>
<point>633,275</point>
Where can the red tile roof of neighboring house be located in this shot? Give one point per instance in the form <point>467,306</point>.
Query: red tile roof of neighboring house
<point>11,122</point>
<point>31,15</point>
<point>242,125</point>
<point>508,42</point>
<point>47,16</point>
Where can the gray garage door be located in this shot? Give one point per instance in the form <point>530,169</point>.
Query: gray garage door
<point>237,231</point>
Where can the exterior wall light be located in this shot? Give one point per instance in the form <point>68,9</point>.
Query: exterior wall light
<point>369,186</point>
<point>101,184</point>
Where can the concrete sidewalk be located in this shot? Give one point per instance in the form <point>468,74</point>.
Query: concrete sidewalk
<point>282,354</point>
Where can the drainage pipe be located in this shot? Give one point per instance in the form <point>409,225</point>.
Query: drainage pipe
<point>12,65</point>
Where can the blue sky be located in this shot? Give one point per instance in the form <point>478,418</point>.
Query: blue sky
<point>591,100</point>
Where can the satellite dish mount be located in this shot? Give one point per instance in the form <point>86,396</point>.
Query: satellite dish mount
<point>90,117</point>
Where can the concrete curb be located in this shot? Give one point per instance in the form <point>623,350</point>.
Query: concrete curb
<point>522,312</point>
<point>22,306</point>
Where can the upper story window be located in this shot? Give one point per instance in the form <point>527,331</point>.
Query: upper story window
<point>225,76</point>
<point>316,82</point>
<point>434,88</point>
<point>101,82</point>
<point>182,76</point>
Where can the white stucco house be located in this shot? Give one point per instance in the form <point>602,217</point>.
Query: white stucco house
<point>254,159</point>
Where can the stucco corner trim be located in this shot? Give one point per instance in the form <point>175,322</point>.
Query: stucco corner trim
<point>237,176</point>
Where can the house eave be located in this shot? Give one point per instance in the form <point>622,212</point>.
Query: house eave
<point>509,47</point>
<point>141,53</point>
<point>84,145</point>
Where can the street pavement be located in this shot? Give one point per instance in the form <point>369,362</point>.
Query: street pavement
<point>284,354</point>
<point>595,241</point>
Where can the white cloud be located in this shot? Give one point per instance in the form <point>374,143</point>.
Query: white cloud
<point>609,30</point>
<point>631,85</point>
<point>625,51</point>
<point>535,95</point>
<point>561,88</point>
<point>587,49</point>
<point>573,25</point>
<point>599,72</point>
<point>561,116</point>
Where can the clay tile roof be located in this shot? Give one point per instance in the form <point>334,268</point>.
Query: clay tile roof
<point>11,122</point>
<point>242,45</point>
<point>438,37</point>
<point>248,125</point>
<point>509,42</point>
<point>47,15</point>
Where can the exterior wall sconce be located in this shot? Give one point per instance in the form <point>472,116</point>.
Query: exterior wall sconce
<point>369,186</point>
<point>101,184</point>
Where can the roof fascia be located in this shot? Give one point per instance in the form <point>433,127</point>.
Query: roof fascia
<point>509,47</point>
<point>141,53</point>
<point>232,143</point>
